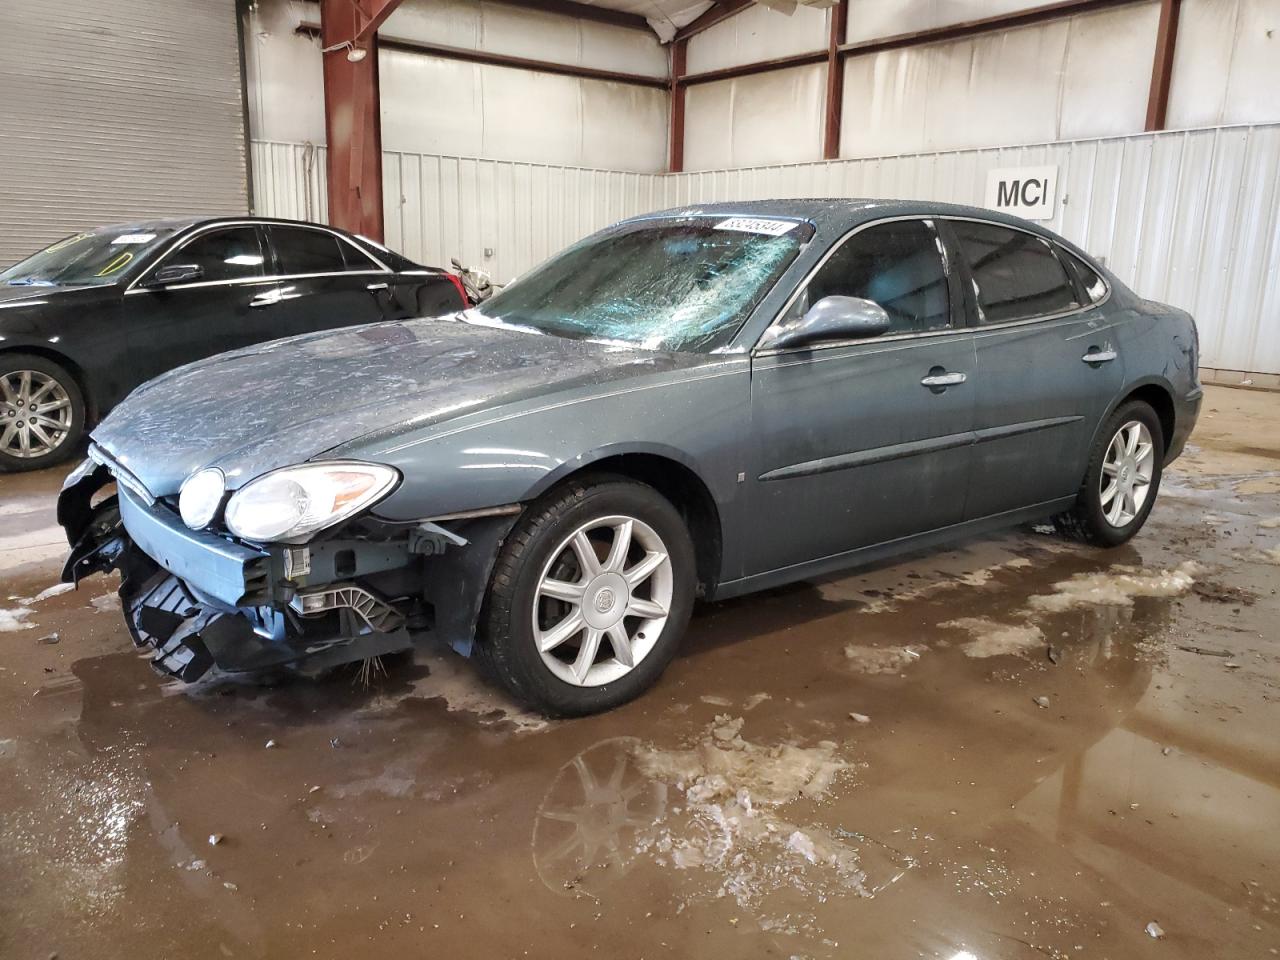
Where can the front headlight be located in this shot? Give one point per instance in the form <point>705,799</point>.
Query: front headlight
<point>201,496</point>
<point>292,503</point>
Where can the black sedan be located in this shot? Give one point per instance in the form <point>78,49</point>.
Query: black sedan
<point>87,319</point>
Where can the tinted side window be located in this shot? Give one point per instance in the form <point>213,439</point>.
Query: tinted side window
<point>1089,279</point>
<point>307,251</point>
<point>357,259</point>
<point>897,265</point>
<point>230,254</point>
<point>1016,274</point>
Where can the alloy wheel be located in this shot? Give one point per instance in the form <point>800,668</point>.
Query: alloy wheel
<point>1126,473</point>
<point>35,414</point>
<point>602,600</point>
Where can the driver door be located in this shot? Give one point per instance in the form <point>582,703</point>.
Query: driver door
<point>229,306</point>
<point>868,441</point>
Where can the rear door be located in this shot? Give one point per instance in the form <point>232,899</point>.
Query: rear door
<point>325,281</point>
<point>866,441</point>
<point>1047,371</point>
<point>225,308</point>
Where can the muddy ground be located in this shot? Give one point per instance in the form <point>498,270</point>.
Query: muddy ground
<point>1014,749</point>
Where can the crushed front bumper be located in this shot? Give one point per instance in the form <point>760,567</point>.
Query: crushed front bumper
<point>196,600</point>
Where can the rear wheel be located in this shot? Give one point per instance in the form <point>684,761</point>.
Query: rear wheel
<point>41,412</point>
<point>1120,486</point>
<point>590,596</point>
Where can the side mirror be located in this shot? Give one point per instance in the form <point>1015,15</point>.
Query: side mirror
<point>832,318</point>
<point>176,273</point>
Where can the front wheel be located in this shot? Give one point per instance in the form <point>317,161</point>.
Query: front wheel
<point>590,596</point>
<point>1122,480</point>
<point>41,412</point>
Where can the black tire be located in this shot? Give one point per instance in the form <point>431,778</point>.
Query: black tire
<point>506,646</point>
<point>1087,520</point>
<point>68,439</point>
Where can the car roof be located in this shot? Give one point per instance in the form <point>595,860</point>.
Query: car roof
<point>839,212</point>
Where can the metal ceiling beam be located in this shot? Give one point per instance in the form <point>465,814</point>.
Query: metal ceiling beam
<point>720,10</point>
<point>747,69</point>
<point>1162,65</point>
<point>969,28</point>
<point>370,18</point>
<point>470,55</point>
<point>585,11</point>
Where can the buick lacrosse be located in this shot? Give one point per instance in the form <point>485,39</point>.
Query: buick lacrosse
<point>691,404</point>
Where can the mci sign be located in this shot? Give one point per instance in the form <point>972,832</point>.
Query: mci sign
<point>1025,191</point>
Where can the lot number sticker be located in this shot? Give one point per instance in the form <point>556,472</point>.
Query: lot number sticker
<point>772,228</point>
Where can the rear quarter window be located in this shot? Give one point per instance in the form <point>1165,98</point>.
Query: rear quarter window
<point>1016,275</point>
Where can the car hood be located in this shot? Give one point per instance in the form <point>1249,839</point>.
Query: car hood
<point>288,401</point>
<point>22,294</point>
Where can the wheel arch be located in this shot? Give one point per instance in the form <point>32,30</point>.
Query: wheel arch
<point>674,476</point>
<point>1158,395</point>
<point>61,359</point>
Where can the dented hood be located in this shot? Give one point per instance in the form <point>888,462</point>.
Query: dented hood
<point>288,401</point>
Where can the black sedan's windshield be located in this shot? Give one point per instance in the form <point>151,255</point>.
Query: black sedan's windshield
<point>97,257</point>
<point>671,284</point>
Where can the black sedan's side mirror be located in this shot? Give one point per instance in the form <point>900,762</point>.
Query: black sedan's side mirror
<point>176,273</point>
<point>832,318</point>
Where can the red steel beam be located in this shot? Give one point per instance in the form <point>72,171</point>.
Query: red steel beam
<point>747,69</point>
<point>969,28</point>
<point>720,10</point>
<point>353,131</point>
<point>1162,65</point>
<point>679,49</point>
<point>372,17</point>
<point>835,81</point>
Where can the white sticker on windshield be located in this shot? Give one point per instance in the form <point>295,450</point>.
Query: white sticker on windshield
<point>131,238</point>
<point>773,228</point>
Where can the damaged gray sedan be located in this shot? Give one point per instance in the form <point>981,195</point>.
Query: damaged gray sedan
<point>699,403</point>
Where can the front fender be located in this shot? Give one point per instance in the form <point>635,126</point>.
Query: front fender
<point>698,421</point>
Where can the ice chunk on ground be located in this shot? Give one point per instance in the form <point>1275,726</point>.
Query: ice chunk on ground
<point>992,639</point>
<point>755,700</point>
<point>732,826</point>
<point>47,592</point>
<point>873,660</point>
<point>15,619</point>
<point>1116,587</point>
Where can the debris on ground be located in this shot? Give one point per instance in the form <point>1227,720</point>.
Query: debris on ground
<point>46,593</point>
<point>1221,593</point>
<point>992,639</point>
<point>877,660</point>
<point>49,639</point>
<point>859,718</point>
<point>15,619</point>
<point>755,700</point>
<point>215,839</point>
<point>270,745</point>
<point>1042,703</point>
<point>1204,651</point>
<point>1116,587</point>
<point>1155,931</point>
<point>1054,654</point>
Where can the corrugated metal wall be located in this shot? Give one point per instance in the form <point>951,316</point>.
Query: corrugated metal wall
<point>116,110</point>
<point>1192,218</point>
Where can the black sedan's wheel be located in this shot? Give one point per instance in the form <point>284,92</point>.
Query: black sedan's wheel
<point>41,412</point>
<point>1120,486</point>
<point>590,595</point>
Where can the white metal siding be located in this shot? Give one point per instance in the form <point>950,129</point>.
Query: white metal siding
<point>1191,218</point>
<point>116,110</point>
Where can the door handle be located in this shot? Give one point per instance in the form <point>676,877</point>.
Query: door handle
<point>376,286</point>
<point>265,299</point>
<point>943,380</point>
<point>1096,355</point>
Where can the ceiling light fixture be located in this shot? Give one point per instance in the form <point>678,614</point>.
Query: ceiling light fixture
<point>354,54</point>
